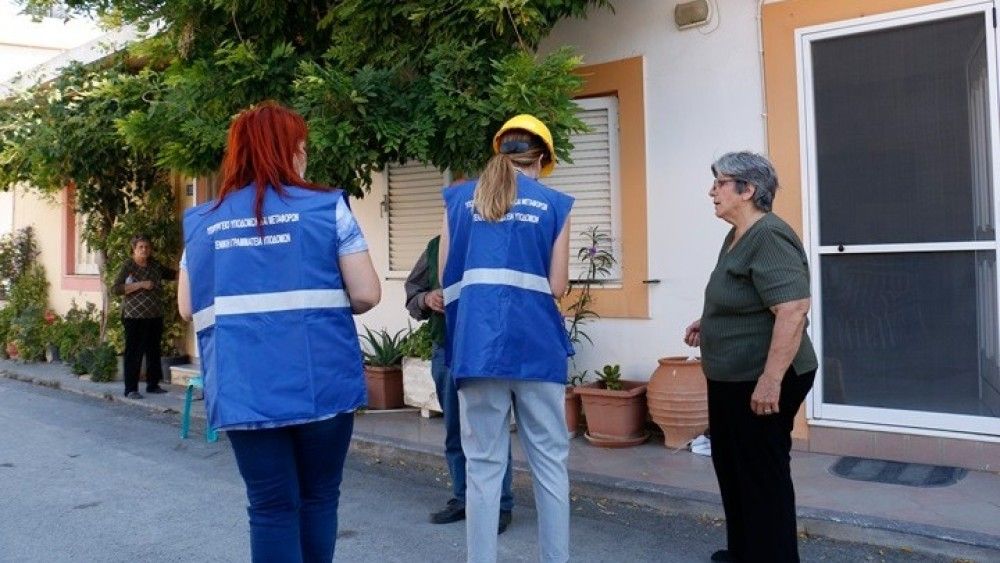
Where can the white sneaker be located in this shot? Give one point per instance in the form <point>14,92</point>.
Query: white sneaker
<point>701,445</point>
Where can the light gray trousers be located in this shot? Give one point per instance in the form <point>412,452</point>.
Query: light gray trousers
<point>539,409</point>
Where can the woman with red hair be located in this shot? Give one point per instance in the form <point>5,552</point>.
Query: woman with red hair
<point>273,270</point>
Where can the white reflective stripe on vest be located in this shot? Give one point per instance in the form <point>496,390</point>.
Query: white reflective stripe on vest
<point>270,303</point>
<point>497,276</point>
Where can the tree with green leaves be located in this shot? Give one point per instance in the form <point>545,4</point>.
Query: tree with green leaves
<point>66,133</point>
<point>379,81</point>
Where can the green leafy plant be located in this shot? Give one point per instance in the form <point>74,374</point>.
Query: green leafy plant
<point>598,261</point>
<point>578,377</point>
<point>419,343</point>
<point>610,377</point>
<point>18,251</point>
<point>27,330</point>
<point>82,361</point>
<point>103,364</point>
<point>6,320</point>
<point>80,330</point>
<point>383,349</point>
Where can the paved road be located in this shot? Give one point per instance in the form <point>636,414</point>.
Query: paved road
<point>93,481</point>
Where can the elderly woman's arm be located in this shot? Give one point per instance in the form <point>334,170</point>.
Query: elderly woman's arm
<point>122,288</point>
<point>789,323</point>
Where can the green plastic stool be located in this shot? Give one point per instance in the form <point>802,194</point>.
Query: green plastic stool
<point>210,434</point>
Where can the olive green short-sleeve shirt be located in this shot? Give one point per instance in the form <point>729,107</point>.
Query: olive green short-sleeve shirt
<point>767,266</point>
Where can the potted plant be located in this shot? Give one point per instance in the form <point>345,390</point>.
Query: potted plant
<point>418,383</point>
<point>598,262</point>
<point>615,409</point>
<point>383,356</point>
<point>678,399</point>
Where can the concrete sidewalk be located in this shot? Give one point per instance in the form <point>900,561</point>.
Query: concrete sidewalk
<point>961,521</point>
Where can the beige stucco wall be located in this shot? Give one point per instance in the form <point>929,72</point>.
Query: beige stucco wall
<point>46,215</point>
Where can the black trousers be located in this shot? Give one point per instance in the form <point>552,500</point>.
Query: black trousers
<point>751,455</point>
<point>142,338</point>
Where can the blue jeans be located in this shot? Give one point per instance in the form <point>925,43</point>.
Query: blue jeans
<point>293,476</point>
<point>447,394</point>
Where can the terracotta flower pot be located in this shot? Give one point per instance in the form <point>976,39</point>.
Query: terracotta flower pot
<point>678,399</point>
<point>615,418</point>
<point>573,407</point>
<point>385,387</point>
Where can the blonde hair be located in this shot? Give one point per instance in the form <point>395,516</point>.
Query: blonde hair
<point>497,186</point>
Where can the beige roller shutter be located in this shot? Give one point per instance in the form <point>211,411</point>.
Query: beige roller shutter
<point>415,208</point>
<point>593,177</point>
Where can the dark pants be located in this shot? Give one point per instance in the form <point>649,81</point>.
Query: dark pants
<point>751,455</point>
<point>142,338</point>
<point>293,476</point>
<point>447,393</point>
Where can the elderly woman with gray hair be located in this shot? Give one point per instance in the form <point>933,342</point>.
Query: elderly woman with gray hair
<point>758,360</point>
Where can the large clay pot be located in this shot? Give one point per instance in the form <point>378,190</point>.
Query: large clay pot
<point>615,418</point>
<point>385,387</point>
<point>573,407</point>
<point>678,399</point>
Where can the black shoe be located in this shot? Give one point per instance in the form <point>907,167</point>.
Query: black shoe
<point>156,390</point>
<point>133,395</point>
<point>453,512</point>
<point>723,555</point>
<point>505,518</point>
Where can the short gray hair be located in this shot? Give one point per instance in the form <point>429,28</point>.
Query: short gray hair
<point>751,168</point>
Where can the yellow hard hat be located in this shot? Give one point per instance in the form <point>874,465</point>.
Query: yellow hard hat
<point>533,125</point>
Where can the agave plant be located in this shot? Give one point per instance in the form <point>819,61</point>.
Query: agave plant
<point>383,349</point>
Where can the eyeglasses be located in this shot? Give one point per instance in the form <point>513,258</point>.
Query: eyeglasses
<point>719,182</point>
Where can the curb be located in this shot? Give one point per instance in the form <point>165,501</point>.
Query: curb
<point>843,526</point>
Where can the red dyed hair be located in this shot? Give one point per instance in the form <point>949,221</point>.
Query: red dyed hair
<point>260,150</point>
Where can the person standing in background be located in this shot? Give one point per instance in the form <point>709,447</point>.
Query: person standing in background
<point>140,283</point>
<point>425,300</point>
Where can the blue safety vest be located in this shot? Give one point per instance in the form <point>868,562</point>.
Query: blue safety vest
<point>276,336</point>
<point>501,318</point>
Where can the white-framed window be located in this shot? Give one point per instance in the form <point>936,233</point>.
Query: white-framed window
<point>414,208</point>
<point>85,258</point>
<point>593,179</point>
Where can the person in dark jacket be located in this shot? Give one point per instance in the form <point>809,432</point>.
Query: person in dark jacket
<point>140,282</point>
<point>425,300</point>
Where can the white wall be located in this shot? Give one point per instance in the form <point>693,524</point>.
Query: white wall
<point>25,43</point>
<point>702,100</point>
<point>702,93</point>
<point>391,312</point>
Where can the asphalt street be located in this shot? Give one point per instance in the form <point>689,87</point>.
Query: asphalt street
<point>97,481</point>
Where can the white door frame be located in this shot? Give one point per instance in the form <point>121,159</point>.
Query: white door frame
<point>827,414</point>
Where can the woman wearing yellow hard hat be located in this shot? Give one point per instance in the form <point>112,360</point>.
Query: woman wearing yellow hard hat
<point>504,256</point>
